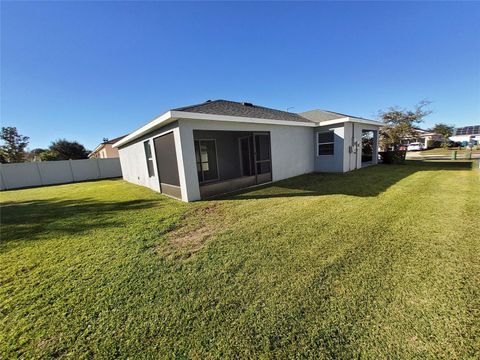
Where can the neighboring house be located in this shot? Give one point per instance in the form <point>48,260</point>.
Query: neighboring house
<point>467,135</point>
<point>198,151</point>
<point>105,149</point>
<point>424,137</point>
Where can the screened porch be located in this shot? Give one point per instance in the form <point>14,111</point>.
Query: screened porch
<point>230,160</point>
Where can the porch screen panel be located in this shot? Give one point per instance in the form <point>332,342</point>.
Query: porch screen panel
<point>206,157</point>
<point>368,144</point>
<point>167,159</point>
<point>262,148</point>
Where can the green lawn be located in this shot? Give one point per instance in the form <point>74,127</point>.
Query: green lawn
<point>383,262</point>
<point>447,152</point>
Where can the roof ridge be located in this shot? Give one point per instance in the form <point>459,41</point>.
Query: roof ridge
<point>247,106</point>
<point>114,140</point>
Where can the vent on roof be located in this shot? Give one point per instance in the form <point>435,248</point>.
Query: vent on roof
<point>247,104</point>
<point>208,101</point>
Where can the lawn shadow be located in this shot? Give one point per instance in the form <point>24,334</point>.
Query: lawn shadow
<point>27,220</point>
<point>369,181</point>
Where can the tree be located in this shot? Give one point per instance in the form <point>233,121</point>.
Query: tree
<point>400,124</point>
<point>64,150</point>
<point>445,130</point>
<point>35,154</point>
<point>13,149</point>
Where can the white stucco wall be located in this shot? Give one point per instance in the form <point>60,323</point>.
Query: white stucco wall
<point>335,162</point>
<point>134,163</point>
<point>292,150</point>
<point>353,160</point>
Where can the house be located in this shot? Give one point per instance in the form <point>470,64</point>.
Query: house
<point>425,137</point>
<point>105,149</point>
<point>198,151</point>
<point>467,135</point>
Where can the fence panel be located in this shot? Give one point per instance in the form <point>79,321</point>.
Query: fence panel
<point>54,172</point>
<point>20,175</point>
<point>110,168</point>
<point>85,170</point>
<point>15,176</point>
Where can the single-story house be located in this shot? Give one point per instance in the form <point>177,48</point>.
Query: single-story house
<point>425,137</point>
<point>466,135</point>
<point>219,146</point>
<point>105,150</point>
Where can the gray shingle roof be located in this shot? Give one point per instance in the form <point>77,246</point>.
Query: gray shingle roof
<point>232,108</point>
<point>324,115</point>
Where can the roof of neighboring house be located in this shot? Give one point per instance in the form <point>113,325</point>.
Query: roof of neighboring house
<point>233,108</point>
<point>113,141</point>
<point>102,144</point>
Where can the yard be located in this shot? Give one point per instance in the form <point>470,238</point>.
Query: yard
<point>448,152</point>
<point>378,263</point>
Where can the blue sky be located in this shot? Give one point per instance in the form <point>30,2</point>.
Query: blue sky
<point>88,70</point>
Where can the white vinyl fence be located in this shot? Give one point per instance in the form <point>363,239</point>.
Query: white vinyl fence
<point>41,173</point>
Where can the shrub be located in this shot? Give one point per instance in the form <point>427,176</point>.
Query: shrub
<point>393,156</point>
<point>434,144</point>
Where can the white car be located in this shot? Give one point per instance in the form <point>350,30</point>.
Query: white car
<point>415,146</point>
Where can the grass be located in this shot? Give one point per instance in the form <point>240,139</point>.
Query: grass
<point>448,152</point>
<point>378,263</point>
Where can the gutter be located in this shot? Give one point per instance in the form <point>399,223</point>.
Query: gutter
<point>173,115</point>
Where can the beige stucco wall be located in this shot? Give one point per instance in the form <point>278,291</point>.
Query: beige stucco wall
<point>106,152</point>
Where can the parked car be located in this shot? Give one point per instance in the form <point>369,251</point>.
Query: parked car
<point>415,146</point>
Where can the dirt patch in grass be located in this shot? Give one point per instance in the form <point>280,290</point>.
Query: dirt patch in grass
<point>199,225</point>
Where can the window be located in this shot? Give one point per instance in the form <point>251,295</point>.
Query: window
<point>325,143</point>
<point>206,157</point>
<point>148,156</point>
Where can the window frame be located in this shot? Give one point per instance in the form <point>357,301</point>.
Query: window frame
<point>197,163</point>
<point>326,143</point>
<point>149,160</point>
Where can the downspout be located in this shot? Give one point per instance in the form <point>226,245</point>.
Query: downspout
<point>354,147</point>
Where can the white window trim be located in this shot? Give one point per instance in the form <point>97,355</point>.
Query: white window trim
<point>325,143</point>
<point>149,158</point>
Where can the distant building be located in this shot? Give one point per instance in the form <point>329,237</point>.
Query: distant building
<point>105,149</point>
<point>467,134</point>
<point>424,137</point>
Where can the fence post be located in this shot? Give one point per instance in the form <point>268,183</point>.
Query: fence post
<point>71,170</point>
<point>99,171</point>
<point>39,173</point>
